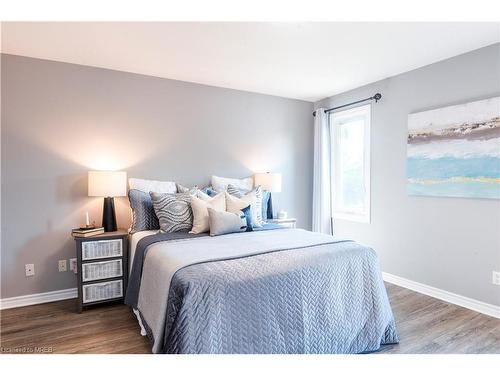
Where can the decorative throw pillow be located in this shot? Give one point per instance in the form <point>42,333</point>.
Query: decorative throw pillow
<point>195,191</point>
<point>200,194</point>
<point>152,185</point>
<point>231,189</point>
<point>173,211</point>
<point>267,206</point>
<point>204,193</point>
<point>227,222</point>
<point>209,190</point>
<point>253,198</point>
<point>266,202</point>
<point>143,212</point>
<point>184,189</point>
<point>200,211</point>
<point>220,183</point>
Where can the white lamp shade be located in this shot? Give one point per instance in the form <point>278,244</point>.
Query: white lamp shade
<point>107,184</point>
<point>269,181</point>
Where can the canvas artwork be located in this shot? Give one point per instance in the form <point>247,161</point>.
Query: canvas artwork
<point>455,151</point>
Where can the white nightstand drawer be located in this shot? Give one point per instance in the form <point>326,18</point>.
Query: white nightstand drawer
<point>102,249</point>
<point>102,270</point>
<point>102,291</point>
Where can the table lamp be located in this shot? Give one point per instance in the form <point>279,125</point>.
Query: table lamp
<point>270,182</point>
<point>108,184</point>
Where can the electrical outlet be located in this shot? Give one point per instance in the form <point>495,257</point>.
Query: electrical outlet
<point>63,265</point>
<point>495,279</point>
<point>29,269</point>
<point>72,265</point>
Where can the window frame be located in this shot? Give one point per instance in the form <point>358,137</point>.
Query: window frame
<point>333,118</point>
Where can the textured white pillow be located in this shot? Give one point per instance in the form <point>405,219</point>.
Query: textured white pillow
<point>220,183</point>
<point>254,199</point>
<point>226,222</point>
<point>200,211</point>
<point>152,185</point>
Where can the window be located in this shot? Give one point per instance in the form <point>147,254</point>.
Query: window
<point>350,163</point>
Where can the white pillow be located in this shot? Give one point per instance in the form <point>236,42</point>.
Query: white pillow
<point>220,183</point>
<point>252,199</point>
<point>226,222</point>
<point>200,208</point>
<point>152,185</point>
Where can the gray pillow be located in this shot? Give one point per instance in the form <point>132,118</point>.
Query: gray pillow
<point>185,189</point>
<point>226,222</point>
<point>238,193</point>
<point>143,212</point>
<point>173,211</point>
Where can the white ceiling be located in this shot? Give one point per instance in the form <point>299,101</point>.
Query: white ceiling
<point>306,61</point>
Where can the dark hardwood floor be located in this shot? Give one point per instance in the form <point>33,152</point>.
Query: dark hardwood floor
<point>424,324</point>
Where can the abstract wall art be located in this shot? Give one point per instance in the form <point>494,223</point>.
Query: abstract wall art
<point>455,151</point>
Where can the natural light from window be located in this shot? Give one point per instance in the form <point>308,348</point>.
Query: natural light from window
<point>350,140</point>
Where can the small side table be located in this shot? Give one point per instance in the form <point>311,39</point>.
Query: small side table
<point>102,267</point>
<point>288,223</point>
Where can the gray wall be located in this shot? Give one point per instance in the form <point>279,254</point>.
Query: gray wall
<point>449,243</point>
<point>60,120</point>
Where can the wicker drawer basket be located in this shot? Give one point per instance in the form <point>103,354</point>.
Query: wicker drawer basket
<point>102,249</point>
<point>102,291</point>
<point>102,270</point>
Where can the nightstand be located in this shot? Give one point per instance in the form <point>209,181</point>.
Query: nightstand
<point>288,223</point>
<point>102,262</point>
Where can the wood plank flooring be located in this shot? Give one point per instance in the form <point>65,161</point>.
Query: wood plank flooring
<point>428,325</point>
<point>57,327</point>
<point>424,324</point>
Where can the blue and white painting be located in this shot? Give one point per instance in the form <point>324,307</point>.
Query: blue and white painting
<point>455,151</point>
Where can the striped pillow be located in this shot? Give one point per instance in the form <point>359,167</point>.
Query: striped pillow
<point>254,198</point>
<point>267,209</point>
<point>173,211</point>
<point>143,213</point>
<point>234,191</point>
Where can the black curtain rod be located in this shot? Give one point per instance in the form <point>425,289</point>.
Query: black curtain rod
<point>375,97</point>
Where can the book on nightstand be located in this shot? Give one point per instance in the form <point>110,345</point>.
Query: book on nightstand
<point>80,232</point>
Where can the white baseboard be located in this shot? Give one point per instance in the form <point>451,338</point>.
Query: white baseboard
<point>469,303</point>
<point>456,299</point>
<point>35,299</point>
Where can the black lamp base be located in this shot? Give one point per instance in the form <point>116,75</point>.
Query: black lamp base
<point>108,215</point>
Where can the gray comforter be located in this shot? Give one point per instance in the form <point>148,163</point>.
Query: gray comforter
<point>283,291</point>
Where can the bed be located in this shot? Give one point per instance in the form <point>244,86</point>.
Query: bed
<point>272,290</point>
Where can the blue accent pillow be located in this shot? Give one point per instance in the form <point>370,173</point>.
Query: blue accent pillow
<point>266,205</point>
<point>267,208</point>
<point>143,212</point>
<point>248,216</point>
<point>209,191</point>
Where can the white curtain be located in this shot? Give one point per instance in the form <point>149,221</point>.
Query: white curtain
<point>321,210</point>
